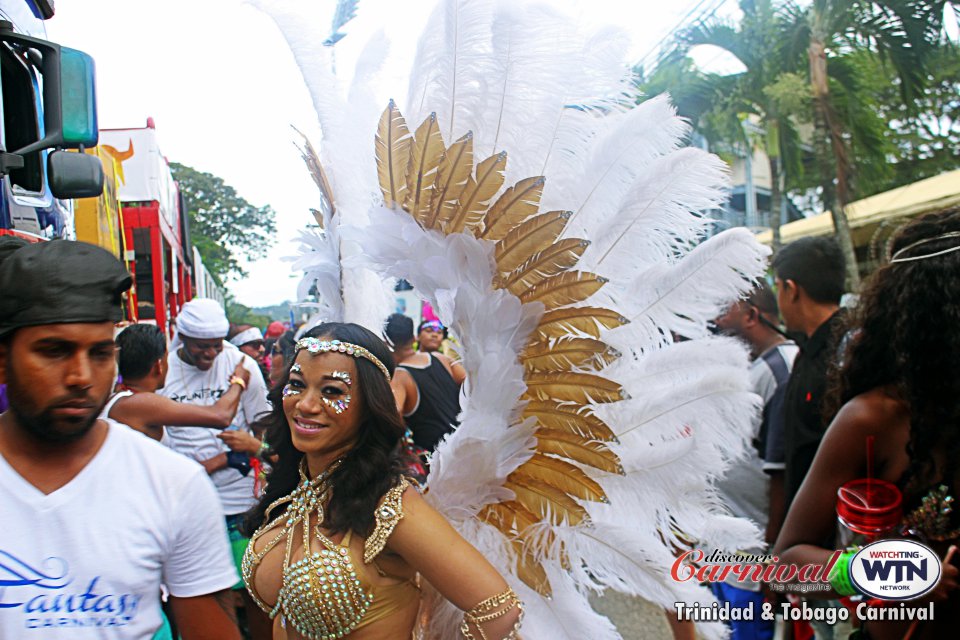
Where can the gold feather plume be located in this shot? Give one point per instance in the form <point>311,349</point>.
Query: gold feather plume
<point>553,260</point>
<point>477,194</point>
<point>315,167</point>
<point>515,205</point>
<point>588,320</point>
<point>525,239</point>
<point>452,176</point>
<point>568,445</point>
<point>567,354</point>
<point>567,288</point>
<point>567,386</point>
<point>543,499</point>
<point>393,155</point>
<point>443,191</point>
<point>563,475</point>
<point>564,417</point>
<point>426,154</point>
<point>513,519</point>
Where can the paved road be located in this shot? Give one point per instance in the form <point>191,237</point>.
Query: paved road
<point>634,618</point>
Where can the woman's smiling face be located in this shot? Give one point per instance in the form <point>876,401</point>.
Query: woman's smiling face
<point>323,403</point>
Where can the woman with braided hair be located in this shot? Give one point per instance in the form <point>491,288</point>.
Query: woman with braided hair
<point>897,385</point>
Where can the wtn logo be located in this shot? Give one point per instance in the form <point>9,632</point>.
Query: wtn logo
<point>895,570</point>
<point>902,569</point>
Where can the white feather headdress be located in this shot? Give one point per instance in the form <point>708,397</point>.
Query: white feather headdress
<point>559,229</point>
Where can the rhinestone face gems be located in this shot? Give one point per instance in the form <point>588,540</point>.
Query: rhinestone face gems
<point>338,405</point>
<point>331,396</point>
<point>289,389</point>
<point>316,345</point>
<point>344,376</point>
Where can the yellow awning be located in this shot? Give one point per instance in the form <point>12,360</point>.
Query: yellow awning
<point>926,196</point>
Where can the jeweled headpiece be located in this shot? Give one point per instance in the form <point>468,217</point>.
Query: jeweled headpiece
<point>899,255</point>
<point>316,345</point>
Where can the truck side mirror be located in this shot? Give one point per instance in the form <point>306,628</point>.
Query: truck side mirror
<point>78,99</point>
<point>74,175</point>
<point>69,95</point>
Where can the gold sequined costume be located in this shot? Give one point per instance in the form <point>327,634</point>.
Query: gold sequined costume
<point>326,593</point>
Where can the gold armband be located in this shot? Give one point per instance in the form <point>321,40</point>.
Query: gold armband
<point>491,609</point>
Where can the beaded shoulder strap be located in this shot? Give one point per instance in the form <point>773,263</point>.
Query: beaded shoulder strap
<point>388,514</point>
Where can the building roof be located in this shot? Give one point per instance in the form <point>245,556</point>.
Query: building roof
<point>867,216</point>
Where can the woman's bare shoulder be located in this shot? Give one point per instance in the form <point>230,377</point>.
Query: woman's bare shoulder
<point>878,410</point>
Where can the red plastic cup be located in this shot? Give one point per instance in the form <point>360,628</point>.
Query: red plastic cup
<point>867,510</point>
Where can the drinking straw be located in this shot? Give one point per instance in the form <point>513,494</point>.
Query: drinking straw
<point>870,469</point>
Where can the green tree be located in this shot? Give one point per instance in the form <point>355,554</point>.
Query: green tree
<point>925,135</point>
<point>903,34</point>
<point>241,314</point>
<point>223,226</point>
<point>765,90</point>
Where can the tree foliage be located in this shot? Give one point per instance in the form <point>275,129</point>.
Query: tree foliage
<point>924,135</point>
<point>853,96</point>
<point>241,314</point>
<point>223,225</point>
<point>724,107</point>
<point>903,34</point>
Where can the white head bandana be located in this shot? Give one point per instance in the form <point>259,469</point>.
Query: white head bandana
<point>202,318</point>
<point>247,335</point>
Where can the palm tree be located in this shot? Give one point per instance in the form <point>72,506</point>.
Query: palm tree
<point>903,33</point>
<point>758,42</point>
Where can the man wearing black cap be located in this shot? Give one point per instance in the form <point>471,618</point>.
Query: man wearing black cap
<point>95,516</point>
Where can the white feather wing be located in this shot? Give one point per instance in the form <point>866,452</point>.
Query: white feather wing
<point>565,111</point>
<point>355,294</point>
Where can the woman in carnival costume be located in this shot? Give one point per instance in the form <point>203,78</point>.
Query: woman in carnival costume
<point>896,389</point>
<point>339,472</point>
<point>556,227</point>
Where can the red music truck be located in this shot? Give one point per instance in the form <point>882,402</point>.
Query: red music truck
<point>155,225</point>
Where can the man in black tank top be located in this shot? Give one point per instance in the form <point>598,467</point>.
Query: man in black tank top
<point>430,336</point>
<point>426,386</point>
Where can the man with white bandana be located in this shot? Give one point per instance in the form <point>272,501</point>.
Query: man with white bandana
<point>250,341</point>
<point>199,371</point>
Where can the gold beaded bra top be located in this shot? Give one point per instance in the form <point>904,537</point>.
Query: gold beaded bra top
<point>326,595</point>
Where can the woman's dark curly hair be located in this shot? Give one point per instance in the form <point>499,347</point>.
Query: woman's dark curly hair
<point>906,334</point>
<point>368,471</point>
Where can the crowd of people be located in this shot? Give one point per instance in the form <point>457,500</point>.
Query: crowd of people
<point>170,532</point>
<point>849,392</point>
<point>201,400</point>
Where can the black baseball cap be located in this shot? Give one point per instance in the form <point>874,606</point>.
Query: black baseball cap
<point>59,282</point>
